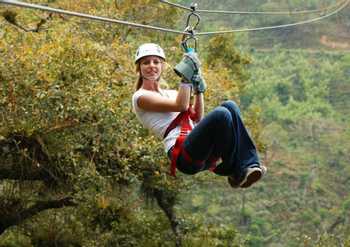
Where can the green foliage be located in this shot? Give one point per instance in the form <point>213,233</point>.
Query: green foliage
<point>66,122</point>
<point>14,239</point>
<point>336,28</point>
<point>223,54</point>
<point>306,150</point>
<point>67,90</point>
<point>66,118</point>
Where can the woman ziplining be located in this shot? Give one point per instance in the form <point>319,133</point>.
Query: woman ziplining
<point>218,142</point>
<point>193,142</point>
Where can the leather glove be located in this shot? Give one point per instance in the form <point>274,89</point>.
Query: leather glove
<point>194,57</point>
<point>188,67</point>
<point>197,80</point>
<point>199,84</point>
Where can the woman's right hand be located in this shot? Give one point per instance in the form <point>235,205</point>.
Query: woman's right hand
<point>188,67</point>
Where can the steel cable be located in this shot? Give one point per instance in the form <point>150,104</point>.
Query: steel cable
<point>136,25</point>
<point>321,10</point>
<point>346,3</point>
<point>87,16</point>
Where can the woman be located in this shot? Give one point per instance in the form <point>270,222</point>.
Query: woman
<point>193,142</point>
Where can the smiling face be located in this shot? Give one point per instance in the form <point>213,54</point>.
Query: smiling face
<point>151,68</point>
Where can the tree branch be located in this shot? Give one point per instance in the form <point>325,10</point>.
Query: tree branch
<point>166,203</point>
<point>67,123</point>
<point>18,173</point>
<point>25,158</point>
<point>10,17</point>
<point>338,221</point>
<point>18,217</point>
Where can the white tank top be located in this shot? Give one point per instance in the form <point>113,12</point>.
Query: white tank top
<point>158,122</point>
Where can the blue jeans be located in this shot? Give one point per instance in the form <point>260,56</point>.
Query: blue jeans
<point>222,134</point>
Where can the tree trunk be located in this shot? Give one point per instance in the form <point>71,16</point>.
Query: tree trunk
<point>166,203</point>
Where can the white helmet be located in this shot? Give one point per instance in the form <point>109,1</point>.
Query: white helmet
<point>149,49</point>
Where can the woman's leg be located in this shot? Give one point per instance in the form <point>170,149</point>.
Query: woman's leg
<point>245,153</point>
<point>220,134</point>
<point>211,137</point>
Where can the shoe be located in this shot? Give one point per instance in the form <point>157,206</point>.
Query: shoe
<point>234,183</point>
<point>253,174</point>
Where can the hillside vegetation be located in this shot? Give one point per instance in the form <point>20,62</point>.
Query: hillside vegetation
<point>77,169</point>
<point>331,33</point>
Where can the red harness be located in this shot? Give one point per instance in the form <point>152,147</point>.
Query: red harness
<point>183,119</point>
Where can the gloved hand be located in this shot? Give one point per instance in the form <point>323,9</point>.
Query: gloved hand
<point>189,68</point>
<point>194,57</point>
<point>197,80</point>
<point>199,84</point>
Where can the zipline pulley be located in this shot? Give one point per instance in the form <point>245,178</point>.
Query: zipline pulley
<point>191,26</point>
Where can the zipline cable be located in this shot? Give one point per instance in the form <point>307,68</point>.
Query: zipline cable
<point>321,10</point>
<point>345,4</point>
<point>136,25</point>
<point>87,16</point>
<point>176,5</point>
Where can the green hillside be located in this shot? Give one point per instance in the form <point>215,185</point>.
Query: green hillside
<point>77,169</point>
<point>303,201</point>
<point>330,33</point>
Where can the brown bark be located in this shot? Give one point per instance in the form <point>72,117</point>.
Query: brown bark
<point>10,17</point>
<point>18,217</point>
<point>167,203</point>
<point>25,158</point>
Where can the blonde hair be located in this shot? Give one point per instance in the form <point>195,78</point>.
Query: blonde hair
<point>138,83</point>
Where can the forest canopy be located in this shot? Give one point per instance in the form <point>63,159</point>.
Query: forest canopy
<point>77,169</point>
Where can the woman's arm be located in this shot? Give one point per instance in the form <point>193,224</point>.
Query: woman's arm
<point>198,107</point>
<point>153,101</point>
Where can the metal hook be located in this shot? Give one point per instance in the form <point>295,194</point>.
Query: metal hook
<point>185,46</point>
<point>189,20</point>
<point>191,29</point>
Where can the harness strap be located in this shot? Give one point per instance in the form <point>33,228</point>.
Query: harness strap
<point>183,119</point>
<point>177,121</point>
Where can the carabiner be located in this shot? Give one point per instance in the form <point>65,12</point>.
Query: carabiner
<point>189,20</point>
<point>190,29</point>
<point>185,45</point>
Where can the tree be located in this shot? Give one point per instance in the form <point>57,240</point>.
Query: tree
<point>72,155</point>
<point>65,100</point>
